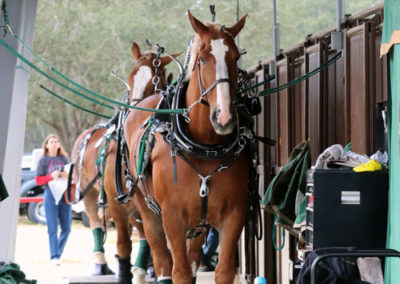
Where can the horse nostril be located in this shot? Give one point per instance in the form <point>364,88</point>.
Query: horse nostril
<point>223,117</point>
<point>214,116</point>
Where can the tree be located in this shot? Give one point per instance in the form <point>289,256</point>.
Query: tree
<point>85,40</point>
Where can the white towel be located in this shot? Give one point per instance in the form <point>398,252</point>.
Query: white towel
<point>58,187</point>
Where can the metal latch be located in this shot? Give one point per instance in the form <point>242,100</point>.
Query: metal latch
<point>351,198</point>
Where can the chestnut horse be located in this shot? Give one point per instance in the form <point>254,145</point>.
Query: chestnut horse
<point>86,170</point>
<point>222,182</point>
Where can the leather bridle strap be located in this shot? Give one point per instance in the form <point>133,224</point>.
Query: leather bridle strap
<point>205,93</point>
<point>216,82</point>
<point>90,185</point>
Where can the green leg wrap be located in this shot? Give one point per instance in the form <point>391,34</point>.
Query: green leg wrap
<point>98,235</point>
<point>166,281</point>
<point>143,254</point>
<point>194,280</point>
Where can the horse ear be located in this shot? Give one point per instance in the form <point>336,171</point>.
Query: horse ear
<point>165,60</point>
<point>234,30</point>
<point>198,26</point>
<point>135,49</point>
<point>169,78</point>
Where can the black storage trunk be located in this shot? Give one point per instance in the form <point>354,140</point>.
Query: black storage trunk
<point>345,208</point>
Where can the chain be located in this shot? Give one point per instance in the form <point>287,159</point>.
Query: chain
<point>156,64</point>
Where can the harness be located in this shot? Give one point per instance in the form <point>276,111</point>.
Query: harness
<point>170,126</point>
<point>110,125</point>
<point>82,151</point>
<point>103,143</point>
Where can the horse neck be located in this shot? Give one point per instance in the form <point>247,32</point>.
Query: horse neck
<point>199,128</point>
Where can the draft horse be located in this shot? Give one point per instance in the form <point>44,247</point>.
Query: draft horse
<point>88,175</point>
<point>210,184</point>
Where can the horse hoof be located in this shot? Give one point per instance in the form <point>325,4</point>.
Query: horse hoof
<point>102,269</point>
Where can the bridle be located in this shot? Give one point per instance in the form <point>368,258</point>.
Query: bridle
<point>207,91</point>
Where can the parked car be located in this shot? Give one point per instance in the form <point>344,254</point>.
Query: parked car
<point>31,194</point>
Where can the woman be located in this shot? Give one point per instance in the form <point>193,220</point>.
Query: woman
<point>50,168</point>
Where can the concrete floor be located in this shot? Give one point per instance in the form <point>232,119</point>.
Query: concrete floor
<point>32,254</point>
<point>202,278</point>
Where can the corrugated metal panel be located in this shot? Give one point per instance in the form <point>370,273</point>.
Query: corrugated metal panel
<point>359,87</point>
<point>264,120</point>
<point>298,103</point>
<point>283,113</point>
<point>314,55</point>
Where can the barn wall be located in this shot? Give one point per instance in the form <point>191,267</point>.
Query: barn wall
<point>336,105</point>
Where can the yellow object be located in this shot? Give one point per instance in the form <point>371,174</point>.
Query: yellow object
<point>371,166</point>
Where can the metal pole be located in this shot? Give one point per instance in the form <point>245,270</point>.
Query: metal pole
<point>339,14</point>
<point>337,37</point>
<point>237,37</point>
<point>276,41</point>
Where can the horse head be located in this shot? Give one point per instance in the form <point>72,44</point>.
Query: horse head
<point>215,71</point>
<point>140,80</point>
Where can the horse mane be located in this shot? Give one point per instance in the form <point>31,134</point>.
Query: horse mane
<point>193,57</point>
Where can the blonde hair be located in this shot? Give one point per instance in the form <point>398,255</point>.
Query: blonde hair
<point>60,150</point>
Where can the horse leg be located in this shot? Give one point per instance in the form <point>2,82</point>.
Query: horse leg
<point>140,266</point>
<point>124,244</point>
<point>96,224</point>
<point>193,254</point>
<point>155,236</point>
<point>229,236</point>
<point>173,226</point>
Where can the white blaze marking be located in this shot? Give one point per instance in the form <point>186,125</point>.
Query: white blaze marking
<point>140,81</point>
<point>218,49</point>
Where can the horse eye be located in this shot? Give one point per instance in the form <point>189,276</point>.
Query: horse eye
<point>202,60</point>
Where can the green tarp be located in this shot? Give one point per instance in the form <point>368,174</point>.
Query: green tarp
<point>390,45</point>
<point>287,188</point>
<point>12,274</point>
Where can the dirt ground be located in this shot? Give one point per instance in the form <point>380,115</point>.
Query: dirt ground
<point>32,252</point>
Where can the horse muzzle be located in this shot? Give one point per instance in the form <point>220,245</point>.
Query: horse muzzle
<point>223,124</point>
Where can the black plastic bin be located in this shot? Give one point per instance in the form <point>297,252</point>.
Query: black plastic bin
<point>347,209</point>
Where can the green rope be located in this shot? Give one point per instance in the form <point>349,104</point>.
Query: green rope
<point>302,78</point>
<point>143,148</point>
<point>257,85</point>
<point>73,104</point>
<point>52,69</point>
<point>26,12</point>
<point>348,147</point>
<point>37,69</point>
<point>274,235</point>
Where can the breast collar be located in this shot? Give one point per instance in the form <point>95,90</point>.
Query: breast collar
<point>174,135</point>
